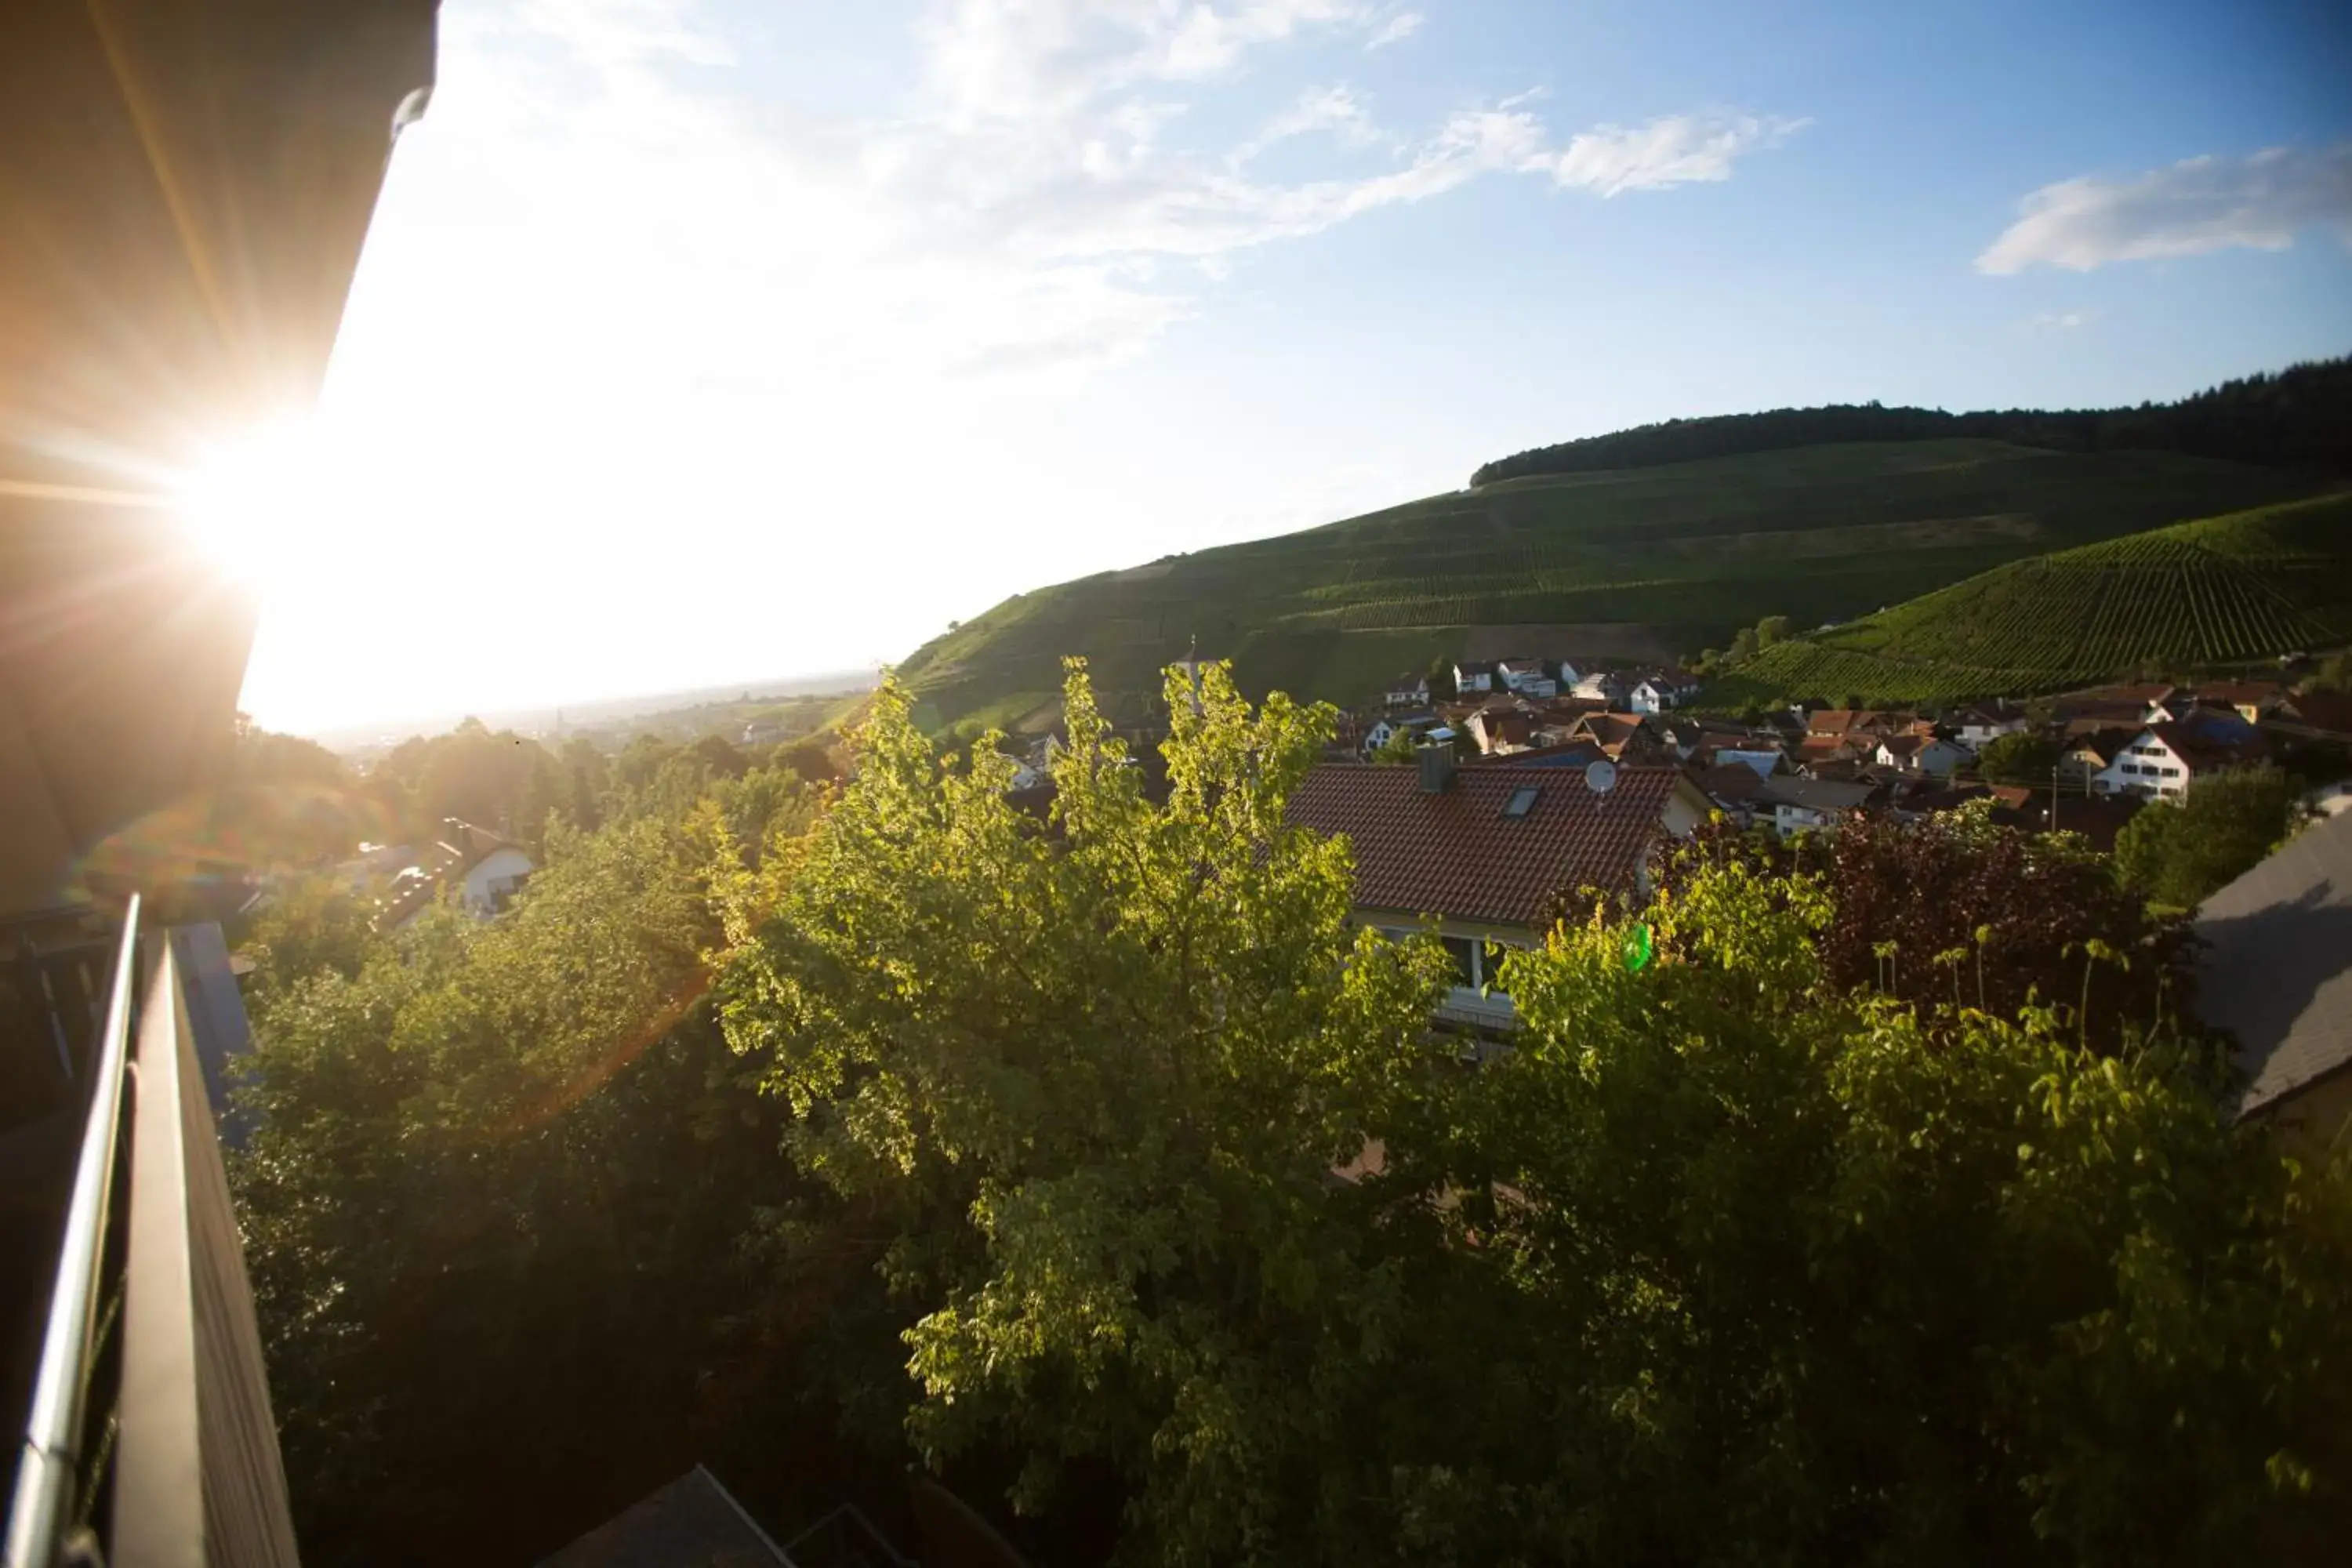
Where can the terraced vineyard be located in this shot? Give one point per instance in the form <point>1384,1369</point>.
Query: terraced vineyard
<point>2209,594</point>
<point>1659,560</point>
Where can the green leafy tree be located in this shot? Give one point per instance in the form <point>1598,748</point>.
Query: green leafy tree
<point>2022,759</point>
<point>719,757</point>
<point>2298,416</point>
<point>810,760</point>
<point>1399,750</point>
<point>495,1196</point>
<point>500,781</point>
<point>308,926</point>
<point>2179,853</point>
<point>1725,1260</point>
<point>1747,1209</point>
<point>1103,1076</point>
<point>1772,629</point>
<point>590,777</point>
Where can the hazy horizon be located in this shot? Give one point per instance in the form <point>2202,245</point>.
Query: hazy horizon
<point>590,711</point>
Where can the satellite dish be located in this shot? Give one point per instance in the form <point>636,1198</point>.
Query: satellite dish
<point>1600,776</point>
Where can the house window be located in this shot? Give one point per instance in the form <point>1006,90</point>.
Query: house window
<point>1522,801</point>
<point>2169,772</point>
<point>1464,950</point>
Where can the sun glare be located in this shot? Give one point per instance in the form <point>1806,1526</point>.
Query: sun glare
<point>255,501</point>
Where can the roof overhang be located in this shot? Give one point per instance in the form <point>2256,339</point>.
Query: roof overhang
<point>189,182</point>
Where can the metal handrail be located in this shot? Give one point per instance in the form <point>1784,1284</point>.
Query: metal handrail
<point>43,1501</point>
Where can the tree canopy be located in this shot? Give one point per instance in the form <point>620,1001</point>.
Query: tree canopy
<point>497,1181</point>
<point>2021,759</point>
<point>1108,1166</point>
<point>2182,852</point>
<point>2301,415</point>
<point>1728,1259</point>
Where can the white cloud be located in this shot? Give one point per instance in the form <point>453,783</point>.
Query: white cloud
<point>1395,30</point>
<point>618,34</point>
<point>2060,321</point>
<point>2198,206</point>
<point>1671,150</point>
<point>1336,110</point>
<point>1029,60</point>
<point>1018,217</point>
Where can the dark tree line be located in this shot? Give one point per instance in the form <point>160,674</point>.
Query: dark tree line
<point>2302,414</point>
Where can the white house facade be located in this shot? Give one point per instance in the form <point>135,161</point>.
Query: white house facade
<point>1929,754</point>
<point>2151,767</point>
<point>1651,696</point>
<point>1382,730</point>
<point>1409,691</point>
<point>1529,677</point>
<point>491,881</point>
<point>1980,728</point>
<point>1805,805</point>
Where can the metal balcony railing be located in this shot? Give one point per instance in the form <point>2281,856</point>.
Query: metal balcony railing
<point>43,1517</point>
<point>149,1441</point>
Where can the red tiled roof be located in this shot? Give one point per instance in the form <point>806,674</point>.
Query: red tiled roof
<point>1609,731</point>
<point>1456,854</point>
<point>1840,720</point>
<point>1576,750</point>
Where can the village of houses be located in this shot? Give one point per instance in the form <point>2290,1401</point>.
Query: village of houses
<point>1535,778</point>
<point>1798,769</point>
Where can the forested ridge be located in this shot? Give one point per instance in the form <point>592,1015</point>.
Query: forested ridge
<point>1889,1214</point>
<point>2302,414</point>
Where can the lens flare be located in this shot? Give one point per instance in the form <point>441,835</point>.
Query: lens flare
<point>255,501</point>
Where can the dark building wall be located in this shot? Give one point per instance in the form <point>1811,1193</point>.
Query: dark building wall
<point>185,190</point>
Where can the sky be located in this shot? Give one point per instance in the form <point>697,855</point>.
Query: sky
<point>699,341</point>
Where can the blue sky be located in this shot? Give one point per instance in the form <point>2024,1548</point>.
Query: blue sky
<point>701,342</point>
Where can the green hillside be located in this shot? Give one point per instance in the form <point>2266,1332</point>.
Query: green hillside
<point>1640,562</point>
<point>2197,595</point>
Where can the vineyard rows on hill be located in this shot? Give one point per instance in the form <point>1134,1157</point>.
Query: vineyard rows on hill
<point>1677,557</point>
<point>2218,592</point>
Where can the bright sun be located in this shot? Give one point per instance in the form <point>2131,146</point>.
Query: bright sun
<point>255,501</point>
